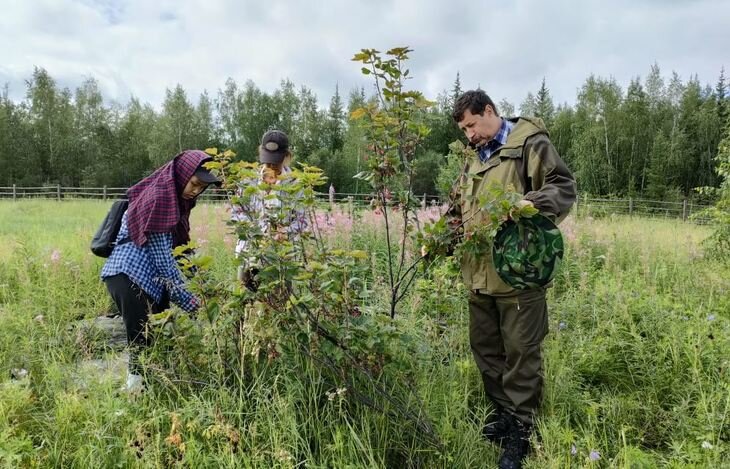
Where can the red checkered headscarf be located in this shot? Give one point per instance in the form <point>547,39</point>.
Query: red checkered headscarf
<point>156,204</point>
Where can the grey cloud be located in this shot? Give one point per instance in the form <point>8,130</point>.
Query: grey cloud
<point>141,48</point>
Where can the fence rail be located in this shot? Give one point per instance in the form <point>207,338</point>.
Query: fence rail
<point>596,207</point>
<point>110,193</point>
<point>687,210</point>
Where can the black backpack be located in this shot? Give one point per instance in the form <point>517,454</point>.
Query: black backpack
<point>103,242</point>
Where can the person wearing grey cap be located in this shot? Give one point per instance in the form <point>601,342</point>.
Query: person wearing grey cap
<point>276,159</point>
<point>274,150</point>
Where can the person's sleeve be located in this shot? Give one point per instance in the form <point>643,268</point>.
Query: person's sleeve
<point>298,220</point>
<point>237,210</point>
<point>554,189</point>
<point>160,249</point>
<point>454,216</point>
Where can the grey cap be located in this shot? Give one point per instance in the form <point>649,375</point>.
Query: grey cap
<point>274,147</point>
<point>206,176</point>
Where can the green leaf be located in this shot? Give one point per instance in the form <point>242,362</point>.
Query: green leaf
<point>204,261</point>
<point>528,211</point>
<point>364,175</point>
<point>212,311</point>
<point>183,249</point>
<point>360,57</point>
<point>358,254</point>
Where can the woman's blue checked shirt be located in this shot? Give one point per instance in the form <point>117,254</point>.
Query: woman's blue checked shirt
<point>150,266</point>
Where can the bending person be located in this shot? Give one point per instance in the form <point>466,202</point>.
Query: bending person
<point>141,274</point>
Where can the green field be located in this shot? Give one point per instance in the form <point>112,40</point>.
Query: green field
<point>637,362</point>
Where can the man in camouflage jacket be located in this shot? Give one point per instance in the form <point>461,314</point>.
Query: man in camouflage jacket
<point>507,326</point>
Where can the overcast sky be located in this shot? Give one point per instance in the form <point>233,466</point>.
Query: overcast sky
<point>142,47</point>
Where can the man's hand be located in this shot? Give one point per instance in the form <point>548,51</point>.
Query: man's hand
<point>525,203</point>
<point>523,209</point>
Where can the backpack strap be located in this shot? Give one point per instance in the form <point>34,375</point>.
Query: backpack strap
<point>123,241</point>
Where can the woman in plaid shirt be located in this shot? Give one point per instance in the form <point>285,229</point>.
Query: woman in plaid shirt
<point>141,274</point>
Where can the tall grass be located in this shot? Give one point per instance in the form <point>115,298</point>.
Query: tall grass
<point>637,367</point>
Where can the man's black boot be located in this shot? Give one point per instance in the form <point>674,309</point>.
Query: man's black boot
<point>516,445</point>
<point>497,426</point>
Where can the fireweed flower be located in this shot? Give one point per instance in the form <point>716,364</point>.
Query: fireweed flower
<point>431,214</point>
<point>55,256</point>
<point>335,222</point>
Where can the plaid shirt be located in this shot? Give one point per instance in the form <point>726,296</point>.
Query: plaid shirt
<point>150,266</point>
<point>500,139</point>
<point>265,209</point>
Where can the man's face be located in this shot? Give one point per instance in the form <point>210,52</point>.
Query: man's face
<point>480,129</point>
<point>193,188</point>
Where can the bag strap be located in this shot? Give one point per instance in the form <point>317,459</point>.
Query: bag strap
<point>123,241</point>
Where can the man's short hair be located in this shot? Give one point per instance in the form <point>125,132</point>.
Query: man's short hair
<point>473,100</point>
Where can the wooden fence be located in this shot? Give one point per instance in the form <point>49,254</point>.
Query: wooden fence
<point>686,210</point>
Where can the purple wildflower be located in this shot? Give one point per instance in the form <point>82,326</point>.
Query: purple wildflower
<point>594,456</point>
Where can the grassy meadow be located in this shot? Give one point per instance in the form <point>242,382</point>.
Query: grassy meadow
<point>637,361</point>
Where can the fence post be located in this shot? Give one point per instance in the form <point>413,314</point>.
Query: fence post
<point>15,193</point>
<point>104,192</point>
<point>631,206</point>
<point>58,192</point>
<point>684,210</point>
<point>423,202</point>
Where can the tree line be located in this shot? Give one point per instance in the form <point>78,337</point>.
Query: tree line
<point>656,139</point>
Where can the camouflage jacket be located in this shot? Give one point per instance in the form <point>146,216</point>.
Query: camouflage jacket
<point>530,163</point>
